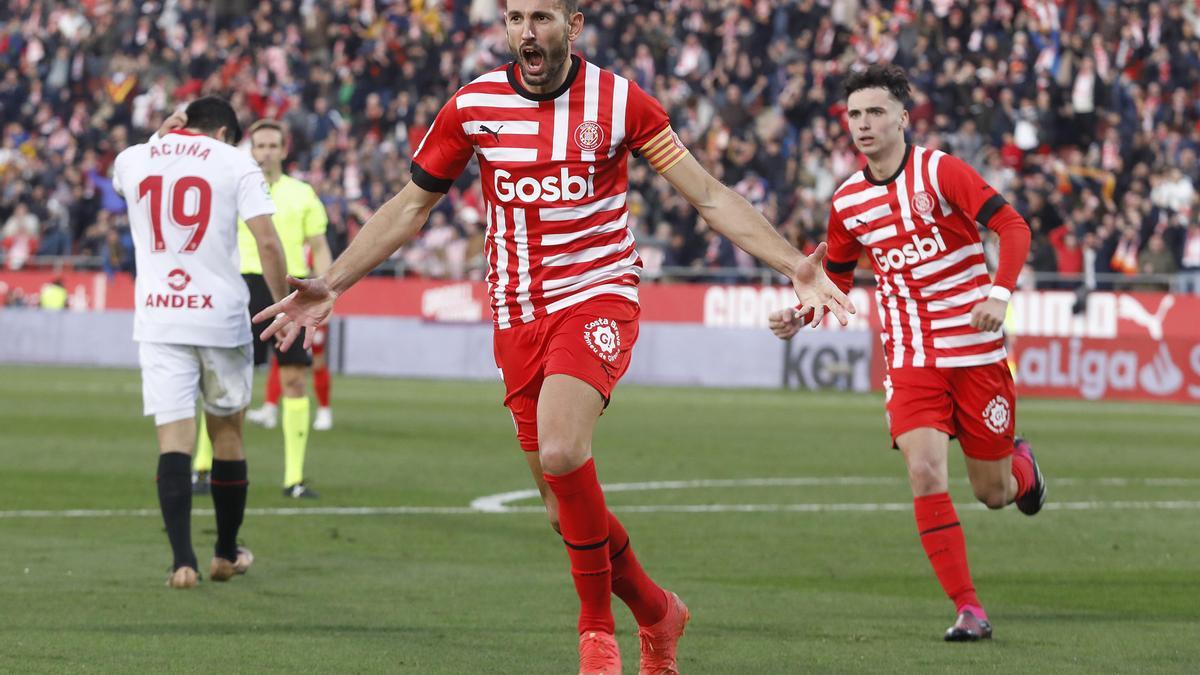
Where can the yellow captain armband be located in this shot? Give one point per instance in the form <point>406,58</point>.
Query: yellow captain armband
<point>664,150</point>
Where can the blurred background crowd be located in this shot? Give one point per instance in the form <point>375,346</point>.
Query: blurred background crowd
<point>1084,114</point>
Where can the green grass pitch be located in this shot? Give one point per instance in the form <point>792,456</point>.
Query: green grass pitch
<point>1108,580</point>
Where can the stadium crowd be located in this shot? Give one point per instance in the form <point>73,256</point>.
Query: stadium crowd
<point>1084,114</point>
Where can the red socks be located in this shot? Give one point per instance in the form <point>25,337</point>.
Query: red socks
<point>645,599</point>
<point>1022,470</point>
<point>274,388</point>
<point>942,538</point>
<point>584,521</point>
<point>321,385</point>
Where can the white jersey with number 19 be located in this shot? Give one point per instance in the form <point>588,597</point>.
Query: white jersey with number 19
<point>186,192</point>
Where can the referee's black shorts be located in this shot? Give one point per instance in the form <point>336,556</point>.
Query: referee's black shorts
<point>260,299</point>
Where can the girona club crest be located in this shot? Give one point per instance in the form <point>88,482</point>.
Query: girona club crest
<point>922,203</point>
<point>997,415</point>
<point>604,338</point>
<point>589,136</point>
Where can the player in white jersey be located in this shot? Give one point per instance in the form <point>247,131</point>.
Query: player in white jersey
<point>552,134</point>
<point>186,189</point>
<point>915,210</point>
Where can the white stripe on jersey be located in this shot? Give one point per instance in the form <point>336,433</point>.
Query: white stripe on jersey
<point>494,154</point>
<point>583,210</point>
<point>524,280</point>
<point>494,76</point>
<point>568,237</point>
<point>891,297</point>
<point>914,322</point>
<point>620,96</point>
<point>588,254</point>
<point>519,127</point>
<point>972,359</point>
<point>628,292</point>
<point>562,120</point>
<point>501,267</point>
<point>902,198</point>
<point>591,102</point>
<point>934,160</point>
<point>861,198</point>
<point>950,322</point>
<point>967,339</point>
<point>968,296</point>
<point>493,101</point>
<point>855,178</point>
<point>949,260</point>
<point>876,236</point>
<point>955,280</point>
<point>563,285</point>
<point>869,216</point>
<point>918,181</point>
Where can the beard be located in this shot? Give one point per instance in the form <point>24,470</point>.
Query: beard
<point>541,67</point>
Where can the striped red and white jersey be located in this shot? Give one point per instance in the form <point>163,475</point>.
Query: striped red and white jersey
<point>554,178</point>
<point>919,227</point>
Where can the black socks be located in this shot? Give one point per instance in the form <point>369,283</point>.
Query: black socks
<point>175,500</point>
<point>229,487</point>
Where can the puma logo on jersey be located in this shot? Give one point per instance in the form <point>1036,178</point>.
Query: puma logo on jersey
<point>495,134</point>
<point>921,248</point>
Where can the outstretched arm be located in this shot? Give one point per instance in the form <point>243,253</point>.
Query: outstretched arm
<point>309,304</point>
<point>732,216</point>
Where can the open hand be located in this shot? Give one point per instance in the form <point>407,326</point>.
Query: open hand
<point>816,292</point>
<point>307,306</point>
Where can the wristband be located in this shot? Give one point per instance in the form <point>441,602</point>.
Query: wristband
<point>1000,293</point>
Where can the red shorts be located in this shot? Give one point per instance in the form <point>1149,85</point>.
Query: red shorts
<point>977,405</point>
<point>591,341</point>
<point>320,337</point>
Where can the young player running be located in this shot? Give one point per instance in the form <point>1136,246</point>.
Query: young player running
<point>915,210</point>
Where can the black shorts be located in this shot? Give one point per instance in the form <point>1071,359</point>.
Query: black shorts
<point>260,299</point>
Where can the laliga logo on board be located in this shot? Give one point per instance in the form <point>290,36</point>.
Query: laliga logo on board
<point>589,136</point>
<point>921,248</point>
<point>178,279</point>
<point>562,187</point>
<point>922,203</point>
<point>604,338</point>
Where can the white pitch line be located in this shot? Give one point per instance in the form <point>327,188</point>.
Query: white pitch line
<point>501,503</point>
<point>498,503</point>
<point>649,508</point>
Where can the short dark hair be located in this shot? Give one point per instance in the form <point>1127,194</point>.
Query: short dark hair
<point>891,78</point>
<point>267,123</point>
<point>211,113</point>
<point>570,7</point>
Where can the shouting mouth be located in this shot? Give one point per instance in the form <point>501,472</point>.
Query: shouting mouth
<point>534,60</point>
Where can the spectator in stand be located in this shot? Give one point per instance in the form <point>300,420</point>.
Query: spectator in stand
<point>1068,254</point>
<point>1157,261</point>
<point>19,236</point>
<point>1190,258</point>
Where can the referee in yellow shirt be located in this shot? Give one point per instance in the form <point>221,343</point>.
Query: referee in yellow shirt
<point>300,219</point>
